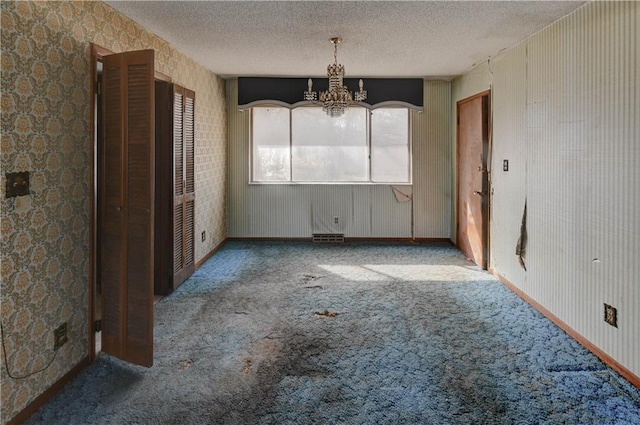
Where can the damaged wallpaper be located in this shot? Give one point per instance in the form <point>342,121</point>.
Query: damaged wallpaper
<point>45,260</point>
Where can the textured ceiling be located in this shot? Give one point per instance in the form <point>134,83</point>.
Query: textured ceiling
<point>433,39</point>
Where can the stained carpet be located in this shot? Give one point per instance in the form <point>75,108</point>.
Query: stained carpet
<point>301,333</point>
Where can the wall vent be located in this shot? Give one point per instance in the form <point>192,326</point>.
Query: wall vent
<point>328,237</point>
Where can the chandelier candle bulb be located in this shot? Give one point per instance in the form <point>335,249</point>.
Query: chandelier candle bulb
<point>361,94</point>
<point>310,95</point>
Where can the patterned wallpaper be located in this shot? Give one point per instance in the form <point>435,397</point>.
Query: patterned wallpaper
<point>45,130</point>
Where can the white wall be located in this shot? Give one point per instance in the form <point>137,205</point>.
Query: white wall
<point>287,211</point>
<point>566,114</point>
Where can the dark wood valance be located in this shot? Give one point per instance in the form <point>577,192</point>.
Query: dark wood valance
<point>289,91</point>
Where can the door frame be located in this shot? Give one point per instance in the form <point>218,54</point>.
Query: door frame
<point>486,179</point>
<point>97,54</point>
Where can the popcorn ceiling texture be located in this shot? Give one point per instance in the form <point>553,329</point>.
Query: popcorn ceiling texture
<point>45,130</point>
<point>381,38</point>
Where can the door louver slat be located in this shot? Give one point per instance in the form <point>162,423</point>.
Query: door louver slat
<point>139,201</point>
<point>189,143</point>
<point>127,207</point>
<point>184,196</point>
<point>178,143</point>
<point>111,224</point>
<point>178,254</point>
<point>189,230</point>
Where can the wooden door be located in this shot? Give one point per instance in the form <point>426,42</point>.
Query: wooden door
<point>127,213</point>
<point>183,185</point>
<point>473,185</point>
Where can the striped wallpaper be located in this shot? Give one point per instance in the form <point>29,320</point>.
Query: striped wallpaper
<point>566,115</point>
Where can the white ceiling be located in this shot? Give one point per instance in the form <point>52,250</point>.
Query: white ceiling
<point>433,39</point>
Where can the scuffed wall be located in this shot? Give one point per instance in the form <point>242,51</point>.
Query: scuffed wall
<point>566,116</point>
<point>45,130</point>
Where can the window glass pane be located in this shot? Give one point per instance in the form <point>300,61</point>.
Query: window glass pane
<point>327,149</point>
<point>271,156</point>
<point>390,145</point>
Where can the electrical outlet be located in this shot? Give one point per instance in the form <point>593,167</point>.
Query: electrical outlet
<point>505,165</point>
<point>204,235</point>
<point>611,315</point>
<point>336,220</point>
<point>60,336</point>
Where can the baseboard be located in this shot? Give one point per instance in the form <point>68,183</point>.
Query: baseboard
<point>210,254</point>
<point>607,359</point>
<point>346,239</point>
<point>49,393</point>
<point>397,240</point>
<point>433,240</point>
<point>269,239</point>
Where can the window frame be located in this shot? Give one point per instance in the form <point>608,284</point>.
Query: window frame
<point>369,180</point>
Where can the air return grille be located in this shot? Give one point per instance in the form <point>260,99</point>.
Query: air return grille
<point>328,237</point>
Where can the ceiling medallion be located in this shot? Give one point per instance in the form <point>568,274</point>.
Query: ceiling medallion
<point>336,100</point>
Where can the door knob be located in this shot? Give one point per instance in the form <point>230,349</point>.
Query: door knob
<point>478,193</point>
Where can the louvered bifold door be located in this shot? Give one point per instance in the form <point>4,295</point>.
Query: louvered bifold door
<point>127,182</point>
<point>189,187</point>
<point>178,185</point>
<point>184,185</point>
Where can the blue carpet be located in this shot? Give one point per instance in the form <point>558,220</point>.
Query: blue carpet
<point>301,333</point>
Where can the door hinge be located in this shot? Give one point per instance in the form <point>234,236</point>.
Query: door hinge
<point>97,326</point>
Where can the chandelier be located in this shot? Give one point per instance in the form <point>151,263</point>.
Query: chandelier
<point>336,100</point>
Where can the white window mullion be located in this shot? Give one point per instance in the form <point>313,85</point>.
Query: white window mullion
<point>369,145</point>
<point>290,146</point>
<point>409,148</point>
<point>251,154</point>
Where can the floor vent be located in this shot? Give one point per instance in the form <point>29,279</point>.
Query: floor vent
<point>328,237</point>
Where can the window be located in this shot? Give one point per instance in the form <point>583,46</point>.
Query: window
<point>389,145</point>
<point>271,157</point>
<point>304,145</point>
<point>329,149</point>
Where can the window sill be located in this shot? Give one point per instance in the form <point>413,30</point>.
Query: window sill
<point>329,184</point>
